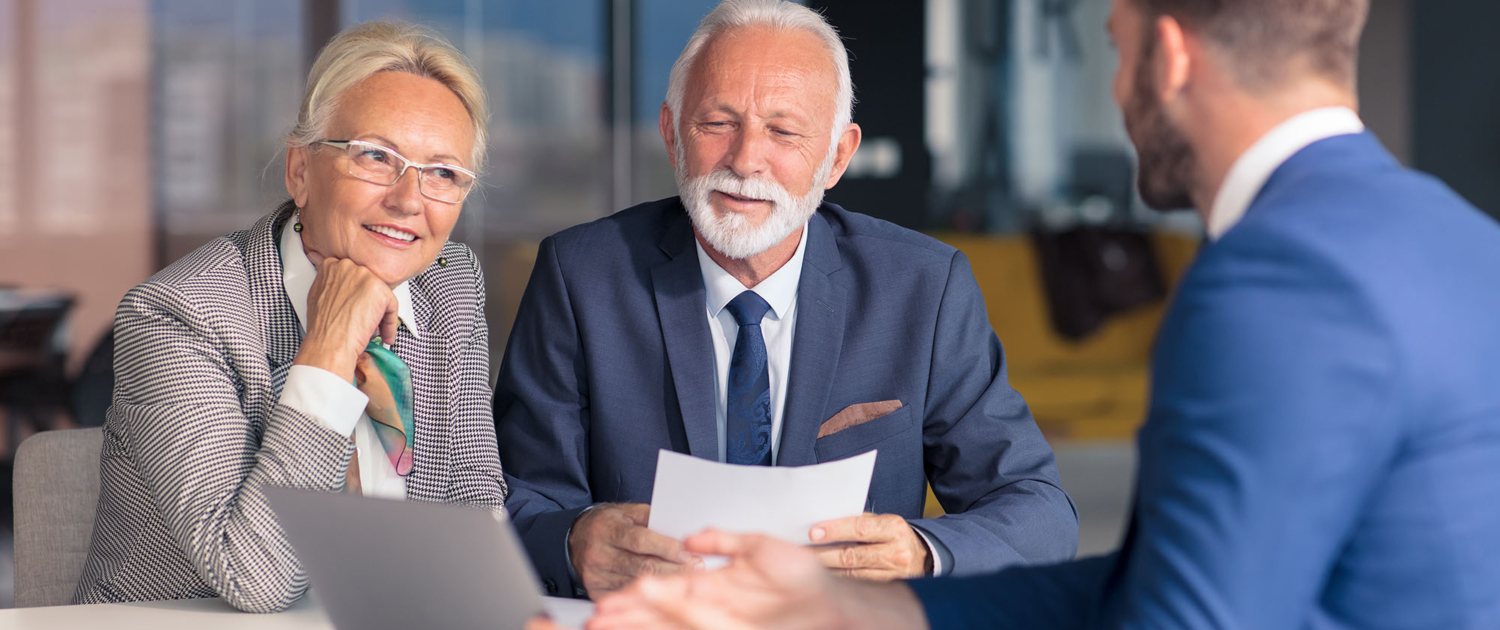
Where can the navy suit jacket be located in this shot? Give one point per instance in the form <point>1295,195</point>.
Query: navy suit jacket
<point>611,360</point>
<point>1323,445</point>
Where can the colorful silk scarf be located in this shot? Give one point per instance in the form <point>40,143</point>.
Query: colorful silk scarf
<point>382,376</point>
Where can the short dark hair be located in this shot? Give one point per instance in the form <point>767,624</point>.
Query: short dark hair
<point>1271,40</point>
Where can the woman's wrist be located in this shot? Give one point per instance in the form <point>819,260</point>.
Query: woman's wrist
<point>316,353</point>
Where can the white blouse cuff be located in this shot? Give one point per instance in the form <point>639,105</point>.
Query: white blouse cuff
<point>332,401</point>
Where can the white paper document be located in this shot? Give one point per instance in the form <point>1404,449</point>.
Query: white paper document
<point>692,494</point>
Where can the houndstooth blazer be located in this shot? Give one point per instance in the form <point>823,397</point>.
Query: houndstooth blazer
<point>202,350</point>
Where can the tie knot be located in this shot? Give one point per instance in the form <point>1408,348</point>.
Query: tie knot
<point>748,309</point>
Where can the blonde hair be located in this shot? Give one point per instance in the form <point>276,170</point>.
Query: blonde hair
<point>364,50</point>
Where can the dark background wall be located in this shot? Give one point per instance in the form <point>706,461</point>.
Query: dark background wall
<point>1456,96</point>
<point>887,60</point>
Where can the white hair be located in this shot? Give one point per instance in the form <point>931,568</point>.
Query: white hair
<point>774,14</point>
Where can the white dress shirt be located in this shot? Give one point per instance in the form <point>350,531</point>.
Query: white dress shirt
<point>1256,164</point>
<point>330,400</point>
<point>777,328</point>
<point>780,291</point>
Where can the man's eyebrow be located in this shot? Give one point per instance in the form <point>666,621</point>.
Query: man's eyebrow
<point>720,108</point>
<point>774,114</point>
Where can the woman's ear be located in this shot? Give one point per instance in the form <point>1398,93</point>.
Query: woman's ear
<point>297,158</point>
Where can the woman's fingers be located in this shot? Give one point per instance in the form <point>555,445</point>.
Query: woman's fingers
<point>391,318</point>
<point>347,306</point>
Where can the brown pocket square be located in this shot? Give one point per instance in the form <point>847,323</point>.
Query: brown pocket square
<point>855,415</point>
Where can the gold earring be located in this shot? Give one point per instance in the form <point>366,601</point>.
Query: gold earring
<point>297,226</point>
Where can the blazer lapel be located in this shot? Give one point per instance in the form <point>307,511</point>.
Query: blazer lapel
<point>815,347</point>
<point>681,307</point>
<point>427,359</point>
<point>268,293</point>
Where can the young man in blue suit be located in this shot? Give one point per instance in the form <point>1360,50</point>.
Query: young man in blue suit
<point>748,322</point>
<point>1323,444</point>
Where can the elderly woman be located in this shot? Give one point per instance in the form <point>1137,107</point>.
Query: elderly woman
<point>338,345</point>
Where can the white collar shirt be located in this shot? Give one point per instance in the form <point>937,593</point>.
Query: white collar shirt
<point>777,328</point>
<point>780,323</point>
<point>1256,165</point>
<point>330,400</point>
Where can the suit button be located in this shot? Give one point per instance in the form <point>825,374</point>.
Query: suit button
<point>551,586</point>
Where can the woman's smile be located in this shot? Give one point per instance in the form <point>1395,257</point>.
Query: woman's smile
<point>392,235</point>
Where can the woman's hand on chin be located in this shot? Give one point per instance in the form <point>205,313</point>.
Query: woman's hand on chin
<point>346,306</point>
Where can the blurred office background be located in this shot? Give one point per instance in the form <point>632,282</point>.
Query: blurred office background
<point>133,131</point>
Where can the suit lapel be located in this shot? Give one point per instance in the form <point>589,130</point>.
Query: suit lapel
<point>819,338</point>
<point>681,307</point>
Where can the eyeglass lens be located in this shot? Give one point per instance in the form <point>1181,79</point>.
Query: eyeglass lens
<point>384,167</point>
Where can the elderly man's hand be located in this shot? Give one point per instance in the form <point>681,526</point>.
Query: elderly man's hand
<point>880,547</point>
<point>610,545</point>
<point>768,584</point>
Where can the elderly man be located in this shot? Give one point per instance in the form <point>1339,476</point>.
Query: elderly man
<point>750,323</point>
<point>1324,434</point>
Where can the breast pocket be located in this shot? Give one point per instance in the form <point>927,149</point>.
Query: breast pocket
<point>861,438</point>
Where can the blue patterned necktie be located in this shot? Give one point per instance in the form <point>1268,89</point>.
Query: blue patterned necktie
<point>747,430</point>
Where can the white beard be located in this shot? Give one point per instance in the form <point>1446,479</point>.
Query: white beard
<point>732,234</point>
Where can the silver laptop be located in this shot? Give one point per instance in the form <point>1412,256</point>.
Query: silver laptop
<point>378,563</point>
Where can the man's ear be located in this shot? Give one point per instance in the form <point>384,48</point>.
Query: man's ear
<point>296,173</point>
<point>1173,62</point>
<point>848,143</point>
<point>668,133</point>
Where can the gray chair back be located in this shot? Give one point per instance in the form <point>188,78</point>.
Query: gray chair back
<point>57,492</point>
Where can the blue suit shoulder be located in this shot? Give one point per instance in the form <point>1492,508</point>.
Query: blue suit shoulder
<point>1347,197</point>
<point>1341,204</point>
<point>861,236</point>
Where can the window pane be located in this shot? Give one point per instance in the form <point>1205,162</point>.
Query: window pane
<point>228,82</point>
<point>662,29</point>
<point>545,68</point>
<point>543,64</point>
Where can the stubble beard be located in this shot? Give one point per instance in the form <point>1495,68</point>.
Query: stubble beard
<point>1167,164</point>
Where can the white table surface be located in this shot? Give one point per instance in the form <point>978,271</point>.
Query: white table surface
<point>214,613</point>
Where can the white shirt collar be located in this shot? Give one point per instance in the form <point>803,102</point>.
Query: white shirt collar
<point>297,273</point>
<point>1256,164</point>
<point>779,290</point>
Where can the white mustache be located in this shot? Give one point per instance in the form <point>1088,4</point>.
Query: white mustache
<point>748,187</point>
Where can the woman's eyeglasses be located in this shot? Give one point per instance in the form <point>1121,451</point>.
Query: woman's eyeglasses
<point>379,165</point>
